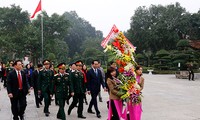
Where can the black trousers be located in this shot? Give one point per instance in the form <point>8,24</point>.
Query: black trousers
<point>68,97</point>
<point>18,106</point>
<point>191,75</point>
<point>1,75</point>
<point>94,102</point>
<point>77,98</point>
<point>114,111</point>
<point>47,100</point>
<point>38,98</point>
<point>61,111</point>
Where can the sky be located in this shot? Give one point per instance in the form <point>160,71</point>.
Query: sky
<point>101,14</point>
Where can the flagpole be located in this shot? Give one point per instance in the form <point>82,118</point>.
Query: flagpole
<point>42,36</point>
<point>42,31</point>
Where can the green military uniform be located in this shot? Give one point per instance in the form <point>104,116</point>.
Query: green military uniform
<point>45,85</point>
<point>61,82</point>
<point>78,87</point>
<point>8,69</point>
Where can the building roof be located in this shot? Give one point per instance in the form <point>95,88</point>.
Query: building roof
<point>195,44</point>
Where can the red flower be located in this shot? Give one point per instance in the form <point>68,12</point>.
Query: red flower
<point>137,91</point>
<point>118,62</point>
<point>116,44</point>
<point>121,69</point>
<point>123,63</point>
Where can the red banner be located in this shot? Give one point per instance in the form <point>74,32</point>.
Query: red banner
<point>113,32</point>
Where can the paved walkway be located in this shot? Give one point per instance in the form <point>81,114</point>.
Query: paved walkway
<point>165,98</point>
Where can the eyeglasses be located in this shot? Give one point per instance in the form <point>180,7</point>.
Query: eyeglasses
<point>61,68</point>
<point>79,65</point>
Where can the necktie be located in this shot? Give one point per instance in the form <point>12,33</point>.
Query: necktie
<point>96,72</point>
<point>19,80</point>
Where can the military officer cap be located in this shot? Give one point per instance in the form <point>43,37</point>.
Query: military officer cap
<point>70,64</point>
<point>62,66</point>
<point>11,61</point>
<point>46,62</point>
<point>79,63</point>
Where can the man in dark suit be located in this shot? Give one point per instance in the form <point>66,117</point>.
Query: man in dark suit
<point>38,98</point>
<point>95,81</point>
<point>17,88</point>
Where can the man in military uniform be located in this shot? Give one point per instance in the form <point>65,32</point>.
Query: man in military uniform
<point>72,68</point>
<point>78,89</point>
<point>8,69</point>
<point>45,81</point>
<point>61,82</point>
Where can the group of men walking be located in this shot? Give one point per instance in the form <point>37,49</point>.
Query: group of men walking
<point>73,82</point>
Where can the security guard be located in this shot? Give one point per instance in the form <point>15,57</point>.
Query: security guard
<point>61,82</point>
<point>45,85</point>
<point>78,89</point>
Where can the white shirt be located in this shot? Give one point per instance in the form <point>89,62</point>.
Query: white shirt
<point>19,73</point>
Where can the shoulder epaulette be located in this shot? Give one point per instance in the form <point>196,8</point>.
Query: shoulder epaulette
<point>56,74</point>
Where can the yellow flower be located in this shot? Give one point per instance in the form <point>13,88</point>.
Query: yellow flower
<point>108,47</point>
<point>127,58</point>
<point>124,87</point>
<point>125,95</point>
<point>132,50</point>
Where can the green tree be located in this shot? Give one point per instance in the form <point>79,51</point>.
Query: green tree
<point>12,22</point>
<point>156,27</point>
<point>79,31</point>
<point>163,60</point>
<point>55,30</point>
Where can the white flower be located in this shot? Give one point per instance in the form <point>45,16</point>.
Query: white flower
<point>119,53</point>
<point>137,86</point>
<point>128,66</point>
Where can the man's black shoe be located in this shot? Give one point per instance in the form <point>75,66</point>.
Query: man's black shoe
<point>37,106</point>
<point>40,102</point>
<point>46,114</point>
<point>67,101</point>
<point>90,111</point>
<point>22,117</point>
<point>69,111</point>
<point>100,100</point>
<point>86,102</point>
<point>98,115</point>
<point>59,117</point>
<point>81,116</point>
